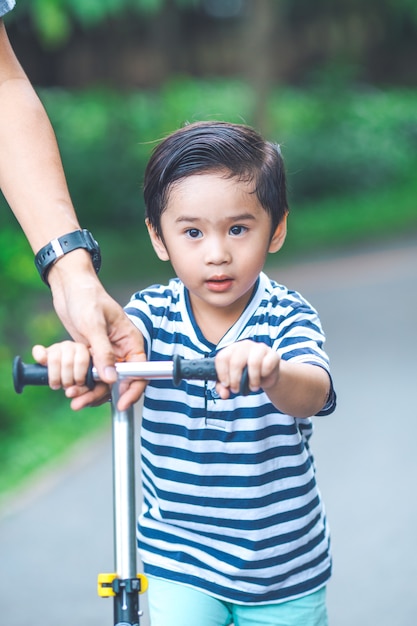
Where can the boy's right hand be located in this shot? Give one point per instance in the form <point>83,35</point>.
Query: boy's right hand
<point>68,364</point>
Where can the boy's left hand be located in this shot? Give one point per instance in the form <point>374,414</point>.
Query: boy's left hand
<point>262,363</point>
<point>297,389</point>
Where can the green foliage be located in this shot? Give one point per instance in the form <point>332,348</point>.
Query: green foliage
<point>334,223</point>
<point>22,318</point>
<point>334,143</point>
<point>51,21</point>
<point>106,138</point>
<point>347,142</point>
<point>54,19</point>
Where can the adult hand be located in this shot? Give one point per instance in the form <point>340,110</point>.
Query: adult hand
<point>92,317</point>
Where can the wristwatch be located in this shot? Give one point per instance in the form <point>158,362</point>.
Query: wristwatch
<point>57,248</point>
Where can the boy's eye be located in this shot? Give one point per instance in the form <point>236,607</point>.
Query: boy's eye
<point>193,233</point>
<point>238,230</point>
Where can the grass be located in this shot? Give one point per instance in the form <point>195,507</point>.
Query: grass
<point>50,432</point>
<point>335,223</point>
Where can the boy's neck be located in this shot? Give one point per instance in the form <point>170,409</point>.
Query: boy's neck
<point>214,325</point>
<point>214,322</point>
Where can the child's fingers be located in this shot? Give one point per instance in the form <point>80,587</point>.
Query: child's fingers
<point>222,368</point>
<point>40,354</point>
<point>262,363</point>
<point>54,361</point>
<point>230,363</point>
<point>74,365</point>
<point>67,363</point>
<point>270,362</point>
<point>254,361</point>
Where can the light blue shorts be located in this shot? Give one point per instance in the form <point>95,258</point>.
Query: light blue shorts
<point>172,604</point>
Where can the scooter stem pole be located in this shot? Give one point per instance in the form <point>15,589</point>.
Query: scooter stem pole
<point>126,605</point>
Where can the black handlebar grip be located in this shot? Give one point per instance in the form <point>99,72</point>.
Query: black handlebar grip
<point>35,374</point>
<point>193,369</point>
<point>24,374</point>
<point>202,369</point>
<point>244,382</point>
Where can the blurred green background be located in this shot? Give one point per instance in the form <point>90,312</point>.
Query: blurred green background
<point>335,83</point>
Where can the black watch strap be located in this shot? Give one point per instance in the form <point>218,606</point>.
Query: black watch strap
<point>57,248</point>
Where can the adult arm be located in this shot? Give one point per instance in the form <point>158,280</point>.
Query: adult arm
<point>34,185</point>
<point>31,173</point>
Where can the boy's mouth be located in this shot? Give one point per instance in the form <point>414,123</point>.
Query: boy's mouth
<point>219,283</point>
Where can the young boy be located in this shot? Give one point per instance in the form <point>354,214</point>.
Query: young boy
<point>232,528</point>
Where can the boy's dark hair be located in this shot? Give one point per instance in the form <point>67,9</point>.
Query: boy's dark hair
<point>235,149</point>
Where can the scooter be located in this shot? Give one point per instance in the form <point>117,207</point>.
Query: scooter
<point>124,585</point>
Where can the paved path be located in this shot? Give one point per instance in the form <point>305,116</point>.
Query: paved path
<point>57,535</point>
<point>366,452</point>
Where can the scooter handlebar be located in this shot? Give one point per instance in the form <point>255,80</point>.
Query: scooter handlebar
<point>36,374</point>
<point>179,369</point>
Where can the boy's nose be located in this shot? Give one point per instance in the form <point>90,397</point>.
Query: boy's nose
<point>216,252</point>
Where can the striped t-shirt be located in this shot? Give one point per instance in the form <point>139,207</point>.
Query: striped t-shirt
<point>6,6</point>
<point>231,505</point>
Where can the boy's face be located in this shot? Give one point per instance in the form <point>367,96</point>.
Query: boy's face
<point>217,236</point>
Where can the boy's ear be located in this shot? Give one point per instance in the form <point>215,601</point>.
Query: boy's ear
<point>157,243</point>
<point>278,238</point>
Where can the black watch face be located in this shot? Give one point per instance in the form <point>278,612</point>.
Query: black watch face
<point>96,258</point>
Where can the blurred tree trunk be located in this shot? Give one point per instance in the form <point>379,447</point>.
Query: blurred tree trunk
<point>263,26</point>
